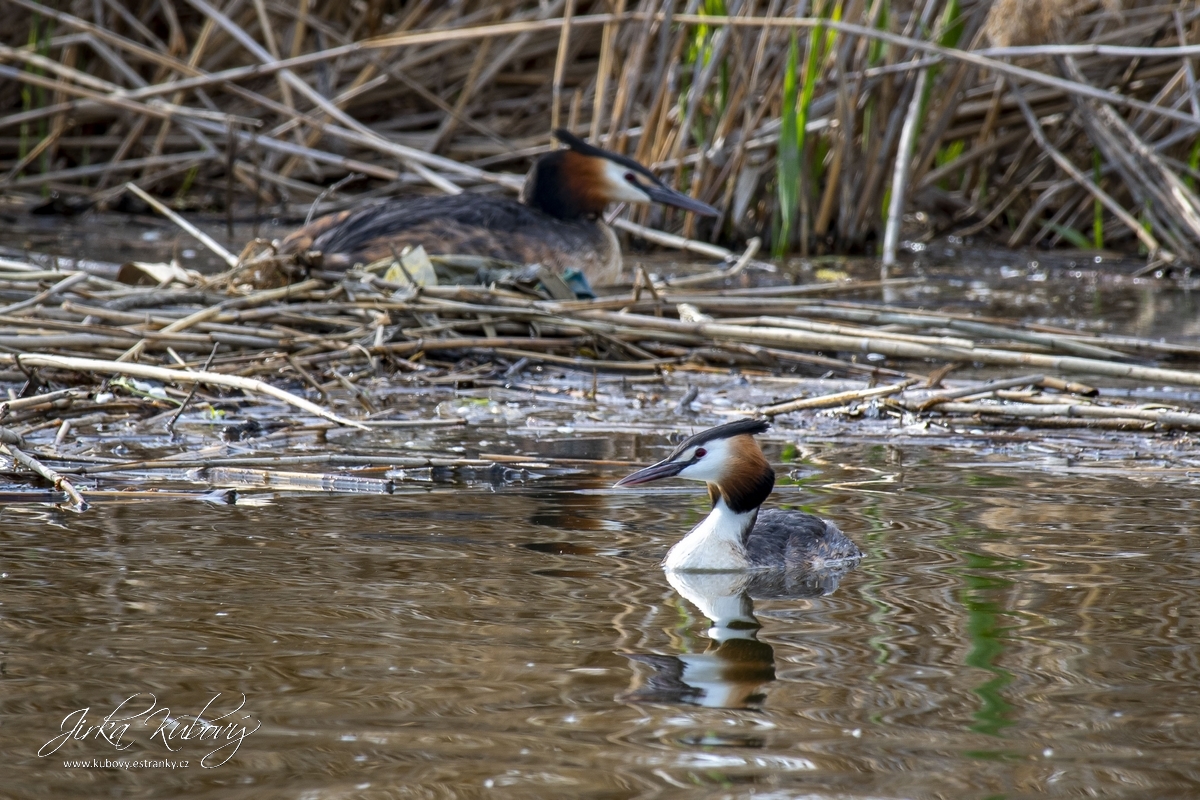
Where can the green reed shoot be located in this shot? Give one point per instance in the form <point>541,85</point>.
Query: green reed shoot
<point>788,162</point>
<point>797,100</point>
<point>710,107</point>
<point>1194,165</point>
<point>876,47</point>
<point>1073,236</point>
<point>945,154</point>
<point>185,186</point>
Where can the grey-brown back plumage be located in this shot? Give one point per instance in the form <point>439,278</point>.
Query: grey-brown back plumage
<point>495,227</point>
<point>793,540</point>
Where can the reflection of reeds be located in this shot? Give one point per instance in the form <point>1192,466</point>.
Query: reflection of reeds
<point>789,115</point>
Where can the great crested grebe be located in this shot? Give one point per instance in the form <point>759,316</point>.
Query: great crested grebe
<point>556,222</point>
<point>736,536</point>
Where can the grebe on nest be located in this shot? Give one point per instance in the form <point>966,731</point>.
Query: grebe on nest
<point>736,536</point>
<point>556,222</point>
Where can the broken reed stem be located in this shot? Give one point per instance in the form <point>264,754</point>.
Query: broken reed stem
<point>837,399</point>
<point>191,394</point>
<point>200,236</point>
<point>8,407</point>
<point>1066,166</point>
<point>175,376</point>
<point>1161,418</point>
<point>673,241</point>
<point>752,247</point>
<point>61,286</point>
<point>1017,405</point>
<point>59,482</point>
<point>11,437</point>
<point>986,388</point>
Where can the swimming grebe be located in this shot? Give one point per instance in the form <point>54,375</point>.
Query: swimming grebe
<point>556,222</point>
<point>736,536</point>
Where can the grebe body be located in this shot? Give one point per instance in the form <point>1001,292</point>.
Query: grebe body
<point>556,222</point>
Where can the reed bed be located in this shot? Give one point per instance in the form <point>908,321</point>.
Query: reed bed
<point>819,126</point>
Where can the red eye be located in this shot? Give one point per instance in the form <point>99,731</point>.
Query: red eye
<point>629,177</point>
<point>701,453</point>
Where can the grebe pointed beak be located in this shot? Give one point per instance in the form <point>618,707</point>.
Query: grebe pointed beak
<point>670,197</point>
<point>663,469</point>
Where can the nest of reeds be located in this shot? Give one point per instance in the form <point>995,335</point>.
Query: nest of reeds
<point>821,126</point>
<point>93,367</point>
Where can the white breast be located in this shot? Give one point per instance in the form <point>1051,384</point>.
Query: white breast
<point>610,271</point>
<point>715,545</point>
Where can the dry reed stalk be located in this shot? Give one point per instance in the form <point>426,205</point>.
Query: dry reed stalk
<point>838,399</point>
<point>60,483</point>
<point>170,375</point>
<point>199,235</point>
<point>1161,190</point>
<point>40,297</point>
<point>1160,418</point>
<point>1067,86</point>
<point>603,70</point>
<point>867,344</point>
<point>560,63</point>
<point>981,390</point>
<point>10,406</point>
<point>260,331</point>
<point>1065,164</point>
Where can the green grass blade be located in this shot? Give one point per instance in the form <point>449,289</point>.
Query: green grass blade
<point>1193,164</point>
<point>797,101</point>
<point>1071,235</point>
<point>788,162</point>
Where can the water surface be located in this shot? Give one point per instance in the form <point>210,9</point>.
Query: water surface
<point>1014,631</point>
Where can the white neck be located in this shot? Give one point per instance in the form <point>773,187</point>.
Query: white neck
<point>715,545</point>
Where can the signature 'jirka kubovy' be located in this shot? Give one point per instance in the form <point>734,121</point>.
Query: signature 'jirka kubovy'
<point>736,535</point>
<point>556,222</point>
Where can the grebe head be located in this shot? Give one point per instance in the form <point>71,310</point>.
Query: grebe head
<point>581,180</point>
<point>726,457</point>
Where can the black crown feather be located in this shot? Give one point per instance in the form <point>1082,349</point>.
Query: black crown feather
<point>737,427</point>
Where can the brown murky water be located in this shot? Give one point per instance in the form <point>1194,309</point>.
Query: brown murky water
<point>1014,631</point>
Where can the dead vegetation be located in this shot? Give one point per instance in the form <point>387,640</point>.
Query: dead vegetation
<point>816,126</point>
<point>112,361</point>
